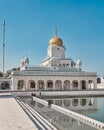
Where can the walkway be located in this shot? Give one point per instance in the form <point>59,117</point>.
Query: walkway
<point>47,93</point>
<point>12,116</point>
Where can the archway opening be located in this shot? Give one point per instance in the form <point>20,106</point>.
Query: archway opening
<point>66,85</point>
<point>21,85</point>
<point>58,85</point>
<point>83,102</point>
<point>41,85</point>
<point>58,102</point>
<point>90,85</point>
<point>75,85</point>
<point>75,102</point>
<point>49,85</point>
<point>83,84</point>
<point>98,80</point>
<point>5,85</point>
<point>31,85</point>
<point>66,103</point>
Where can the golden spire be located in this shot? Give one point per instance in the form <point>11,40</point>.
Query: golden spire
<point>55,32</point>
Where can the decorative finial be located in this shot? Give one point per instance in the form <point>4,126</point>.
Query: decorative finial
<point>55,32</point>
<point>4,22</point>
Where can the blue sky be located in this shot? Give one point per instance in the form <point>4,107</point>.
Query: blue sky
<point>30,25</point>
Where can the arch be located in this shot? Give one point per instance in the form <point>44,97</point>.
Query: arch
<point>66,85</point>
<point>49,85</point>
<point>59,65</point>
<point>98,80</point>
<point>67,65</point>
<point>58,102</point>
<point>63,65</point>
<point>5,85</point>
<point>90,85</point>
<point>75,102</point>
<point>31,85</point>
<point>83,84</point>
<point>50,102</point>
<point>75,85</point>
<point>83,102</point>
<point>66,102</point>
<point>91,101</point>
<point>58,85</point>
<point>33,103</point>
<point>41,85</point>
<point>21,85</point>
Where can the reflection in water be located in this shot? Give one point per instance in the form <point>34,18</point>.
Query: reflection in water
<point>81,105</point>
<point>61,121</point>
<point>83,102</point>
<point>75,102</point>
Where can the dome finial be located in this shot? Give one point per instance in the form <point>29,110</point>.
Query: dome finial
<point>56,40</point>
<point>55,32</point>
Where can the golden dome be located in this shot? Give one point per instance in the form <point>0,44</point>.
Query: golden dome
<point>56,41</point>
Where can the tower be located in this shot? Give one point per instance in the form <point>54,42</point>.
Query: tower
<point>56,48</point>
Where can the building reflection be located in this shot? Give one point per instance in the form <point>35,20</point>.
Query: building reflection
<point>61,121</point>
<point>82,105</point>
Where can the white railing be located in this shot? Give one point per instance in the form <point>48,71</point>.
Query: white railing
<point>79,117</point>
<point>41,101</point>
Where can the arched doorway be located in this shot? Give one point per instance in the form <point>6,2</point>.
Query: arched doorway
<point>31,85</point>
<point>75,102</point>
<point>66,102</point>
<point>75,85</point>
<point>49,85</point>
<point>58,102</point>
<point>21,85</point>
<point>41,85</point>
<point>98,80</point>
<point>91,101</point>
<point>5,85</point>
<point>90,85</point>
<point>66,85</point>
<point>83,102</point>
<point>58,85</point>
<point>83,84</point>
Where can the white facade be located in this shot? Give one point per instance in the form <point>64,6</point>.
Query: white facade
<point>56,72</point>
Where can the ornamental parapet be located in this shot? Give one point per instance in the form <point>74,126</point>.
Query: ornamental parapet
<point>34,67</point>
<point>54,73</point>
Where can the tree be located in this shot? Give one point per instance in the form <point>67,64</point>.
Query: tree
<point>8,72</point>
<point>1,74</point>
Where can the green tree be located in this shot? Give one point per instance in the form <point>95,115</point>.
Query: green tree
<point>1,74</point>
<point>8,72</point>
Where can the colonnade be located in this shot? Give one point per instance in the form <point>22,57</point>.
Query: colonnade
<point>29,85</point>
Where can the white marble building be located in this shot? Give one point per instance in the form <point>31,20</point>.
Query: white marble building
<point>57,72</point>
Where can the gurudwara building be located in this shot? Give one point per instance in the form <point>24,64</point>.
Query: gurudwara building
<point>57,72</point>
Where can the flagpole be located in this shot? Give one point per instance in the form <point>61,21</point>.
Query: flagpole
<point>3,50</point>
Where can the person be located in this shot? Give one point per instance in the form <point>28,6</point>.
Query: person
<point>33,94</point>
<point>39,92</point>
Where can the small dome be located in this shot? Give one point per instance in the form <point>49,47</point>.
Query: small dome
<point>22,60</point>
<point>26,59</point>
<point>56,41</point>
<point>79,62</point>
